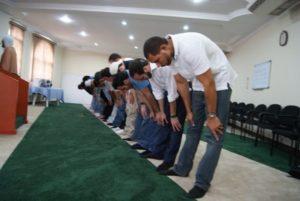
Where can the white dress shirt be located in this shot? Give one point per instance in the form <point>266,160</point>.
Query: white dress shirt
<point>194,54</point>
<point>163,80</point>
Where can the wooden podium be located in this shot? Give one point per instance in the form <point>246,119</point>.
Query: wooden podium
<point>13,101</point>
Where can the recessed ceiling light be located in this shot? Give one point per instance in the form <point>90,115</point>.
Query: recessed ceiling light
<point>96,44</point>
<point>124,23</point>
<point>136,47</point>
<point>83,34</point>
<point>186,27</point>
<point>66,19</point>
<point>198,1</point>
<point>131,37</point>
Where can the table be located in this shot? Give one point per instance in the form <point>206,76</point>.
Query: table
<point>48,92</point>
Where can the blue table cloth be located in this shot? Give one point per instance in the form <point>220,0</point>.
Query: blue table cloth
<point>49,93</point>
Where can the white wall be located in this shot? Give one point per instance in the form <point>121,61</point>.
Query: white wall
<point>285,70</point>
<point>75,65</point>
<point>26,67</point>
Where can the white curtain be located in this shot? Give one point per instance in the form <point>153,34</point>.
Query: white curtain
<point>43,59</point>
<point>18,35</point>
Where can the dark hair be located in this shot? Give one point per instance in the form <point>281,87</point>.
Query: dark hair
<point>119,79</point>
<point>152,45</point>
<point>81,85</point>
<point>85,78</point>
<point>105,72</point>
<point>113,57</point>
<point>100,74</point>
<point>137,66</point>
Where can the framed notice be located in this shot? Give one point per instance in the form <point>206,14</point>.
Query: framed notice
<point>261,75</point>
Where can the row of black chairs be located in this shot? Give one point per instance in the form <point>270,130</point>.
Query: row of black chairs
<point>281,121</point>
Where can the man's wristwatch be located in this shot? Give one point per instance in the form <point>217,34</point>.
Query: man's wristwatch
<point>173,116</point>
<point>211,115</point>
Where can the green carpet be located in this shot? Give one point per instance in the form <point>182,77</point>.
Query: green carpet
<point>19,121</point>
<point>261,153</point>
<point>69,155</point>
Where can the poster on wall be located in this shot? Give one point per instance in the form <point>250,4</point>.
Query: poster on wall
<point>261,75</point>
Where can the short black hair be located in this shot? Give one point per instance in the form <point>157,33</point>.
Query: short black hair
<point>114,57</point>
<point>85,78</point>
<point>97,77</point>
<point>81,85</point>
<point>119,79</point>
<point>152,45</point>
<point>105,72</point>
<point>137,66</point>
<point>100,74</point>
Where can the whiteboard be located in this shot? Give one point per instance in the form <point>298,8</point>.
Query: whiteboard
<point>261,75</point>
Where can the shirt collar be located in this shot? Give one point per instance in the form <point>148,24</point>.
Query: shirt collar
<point>175,45</point>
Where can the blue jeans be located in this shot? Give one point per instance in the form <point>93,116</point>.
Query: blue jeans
<point>120,116</point>
<point>157,136</point>
<point>150,135</point>
<point>174,138</point>
<point>209,161</point>
<point>138,134</point>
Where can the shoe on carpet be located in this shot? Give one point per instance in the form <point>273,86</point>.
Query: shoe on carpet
<point>164,166</point>
<point>128,139</point>
<point>137,146</point>
<point>152,156</point>
<point>196,192</point>
<point>145,153</point>
<point>170,172</point>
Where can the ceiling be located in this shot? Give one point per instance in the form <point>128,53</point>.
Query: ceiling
<point>226,22</point>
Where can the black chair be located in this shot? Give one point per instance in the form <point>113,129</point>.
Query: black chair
<point>286,126</point>
<point>296,158</point>
<point>254,117</point>
<point>238,111</point>
<point>232,108</point>
<point>267,120</point>
<point>244,116</point>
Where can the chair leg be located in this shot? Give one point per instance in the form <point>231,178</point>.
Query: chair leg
<point>296,153</point>
<point>291,154</point>
<point>263,134</point>
<point>256,136</point>
<point>272,144</point>
<point>232,126</point>
<point>241,131</point>
<point>245,130</point>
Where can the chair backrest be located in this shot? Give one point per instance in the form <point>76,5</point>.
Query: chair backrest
<point>241,105</point>
<point>274,108</point>
<point>250,107</point>
<point>233,106</point>
<point>240,108</point>
<point>288,116</point>
<point>290,110</point>
<point>260,108</point>
<point>298,126</point>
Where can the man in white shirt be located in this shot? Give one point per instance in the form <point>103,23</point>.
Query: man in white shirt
<point>196,57</point>
<point>171,105</point>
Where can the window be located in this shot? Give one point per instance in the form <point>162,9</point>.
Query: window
<point>17,32</point>
<point>43,58</point>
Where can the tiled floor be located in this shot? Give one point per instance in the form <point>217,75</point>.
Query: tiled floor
<point>9,142</point>
<point>240,179</point>
<point>237,178</point>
